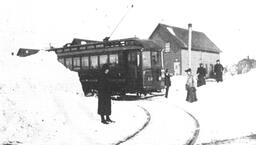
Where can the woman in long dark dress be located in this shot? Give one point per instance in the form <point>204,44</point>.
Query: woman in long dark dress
<point>218,71</point>
<point>201,71</point>
<point>190,87</point>
<point>104,95</point>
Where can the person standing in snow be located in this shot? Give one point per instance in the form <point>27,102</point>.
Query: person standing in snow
<point>190,87</point>
<point>167,82</point>
<point>104,95</point>
<point>218,71</point>
<point>201,73</point>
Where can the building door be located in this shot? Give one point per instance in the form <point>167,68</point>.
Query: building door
<point>176,68</point>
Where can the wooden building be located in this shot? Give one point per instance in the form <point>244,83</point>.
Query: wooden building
<point>175,55</point>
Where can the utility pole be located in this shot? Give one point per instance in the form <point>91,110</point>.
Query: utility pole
<point>189,44</point>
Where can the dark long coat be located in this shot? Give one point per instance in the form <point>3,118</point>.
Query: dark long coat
<point>201,71</point>
<point>218,69</point>
<point>167,80</point>
<point>104,95</point>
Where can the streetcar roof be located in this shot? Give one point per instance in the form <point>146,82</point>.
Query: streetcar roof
<point>113,45</point>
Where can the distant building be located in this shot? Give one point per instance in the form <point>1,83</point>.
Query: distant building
<point>175,42</point>
<point>26,52</point>
<point>245,65</point>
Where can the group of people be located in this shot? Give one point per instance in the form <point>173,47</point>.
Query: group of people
<point>104,90</point>
<point>190,83</point>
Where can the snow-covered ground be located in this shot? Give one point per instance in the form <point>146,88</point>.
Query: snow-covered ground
<point>42,103</point>
<point>224,110</point>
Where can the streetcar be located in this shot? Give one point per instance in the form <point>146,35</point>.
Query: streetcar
<point>135,64</point>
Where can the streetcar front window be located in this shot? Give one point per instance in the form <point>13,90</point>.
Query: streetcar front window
<point>146,61</point>
<point>156,58</point>
<point>61,60</point>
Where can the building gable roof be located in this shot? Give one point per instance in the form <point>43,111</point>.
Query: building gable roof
<point>199,40</point>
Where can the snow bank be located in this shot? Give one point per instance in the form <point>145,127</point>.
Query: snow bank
<point>39,72</point>
<point>42,103</point>
<point>34,91</point>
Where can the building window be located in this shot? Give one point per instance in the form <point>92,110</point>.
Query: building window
<point>94,62</point>
<point>85,62</point>
<point>167,47</point>
<point>69,62</point>
<point>76,63</point>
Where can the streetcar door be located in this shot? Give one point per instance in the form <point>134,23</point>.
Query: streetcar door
<point>133,63</point>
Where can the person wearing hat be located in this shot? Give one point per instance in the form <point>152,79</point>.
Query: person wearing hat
<point>190,87</point>
<point>104,95</point>
<point>167,81</point>
<point>201,73</point>
<point>218,71</point>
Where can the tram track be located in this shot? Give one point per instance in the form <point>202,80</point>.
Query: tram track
<point>139,130</point>
<point>193,139</point>
<point>190,141</point>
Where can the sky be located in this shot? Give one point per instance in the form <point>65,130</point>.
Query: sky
<point>38,24</point>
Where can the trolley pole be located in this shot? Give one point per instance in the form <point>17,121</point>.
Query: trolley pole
<point>189,44</point>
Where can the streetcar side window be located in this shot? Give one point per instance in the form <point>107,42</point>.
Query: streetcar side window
<point>68,62</point>
<point>103,59</point>
<point>94,62</point>
<point>113,59</point>
<point>76,63</point>
<point>146,61</point>
<point>82,48</point>
<point>85,62</point>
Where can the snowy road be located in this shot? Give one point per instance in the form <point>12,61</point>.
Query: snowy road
<point>163,126</point>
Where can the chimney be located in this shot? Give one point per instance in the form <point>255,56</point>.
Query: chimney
<point>189,43</point>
